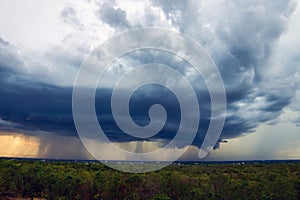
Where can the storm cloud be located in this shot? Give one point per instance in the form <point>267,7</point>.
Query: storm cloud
<point>242,38</point>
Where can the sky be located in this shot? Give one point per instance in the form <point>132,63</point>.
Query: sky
<point>254,44</point>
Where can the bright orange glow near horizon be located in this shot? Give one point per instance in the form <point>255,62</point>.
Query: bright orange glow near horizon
<point>42,145</point>
<point>19,145</point>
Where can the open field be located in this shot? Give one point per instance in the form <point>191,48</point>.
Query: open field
<point>73,180</point>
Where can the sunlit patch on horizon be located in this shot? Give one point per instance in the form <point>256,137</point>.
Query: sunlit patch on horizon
<point>19,145</point>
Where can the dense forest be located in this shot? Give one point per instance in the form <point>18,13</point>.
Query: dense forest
<point>71,180</point>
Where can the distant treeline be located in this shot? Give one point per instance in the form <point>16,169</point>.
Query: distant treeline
<point>70,180</point>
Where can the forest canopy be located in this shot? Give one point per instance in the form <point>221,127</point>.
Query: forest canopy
<point>90,180</point>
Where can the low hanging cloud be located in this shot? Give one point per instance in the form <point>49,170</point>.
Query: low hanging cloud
<point>242,37</point>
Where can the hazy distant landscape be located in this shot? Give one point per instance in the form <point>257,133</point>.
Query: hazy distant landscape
<point>91,180</point>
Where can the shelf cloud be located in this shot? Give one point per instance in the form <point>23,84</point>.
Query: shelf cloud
<point>254,44</point>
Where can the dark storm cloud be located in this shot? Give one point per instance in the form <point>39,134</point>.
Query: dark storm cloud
<point>41,107</point>
<point>27,105</point>
<point>240,37</point>
<point>244,35</point>
<point>35,106</point>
